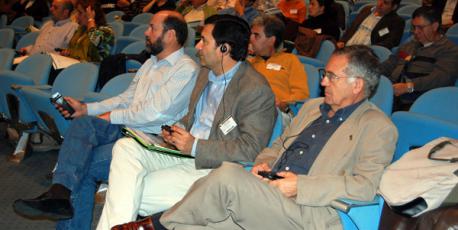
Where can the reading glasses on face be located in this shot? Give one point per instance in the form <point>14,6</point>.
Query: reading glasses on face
<point>418,27</point>
<point>330,75</point>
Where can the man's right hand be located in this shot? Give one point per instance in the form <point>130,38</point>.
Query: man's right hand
<point>260,167</point>
<point>80,108</point>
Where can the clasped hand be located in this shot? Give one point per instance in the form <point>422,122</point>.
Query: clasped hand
<point>180,138</point>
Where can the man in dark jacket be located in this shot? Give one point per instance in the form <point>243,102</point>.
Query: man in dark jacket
<point>379,25</point>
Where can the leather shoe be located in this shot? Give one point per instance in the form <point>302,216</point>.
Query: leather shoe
<point>44,207</point>
<point>143,224</point>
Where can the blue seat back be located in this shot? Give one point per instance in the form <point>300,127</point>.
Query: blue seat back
<point>382,52</point>
<point>118,28</point>
<point>37,67</point>
<point>76,80</point>
<point>22,22</point>
<point>313,80</point>
<point>440,103</point>
<point>6,38</point>
<point>134,47</point>
<point>143,18</point>
<point>3,20</point>
<point>27,39</point>
<point>139,32</point>
<point>453,30</point>
<point>416,129</point>
<point>6,58</point>
<point>407,10</point>
<point>326,49</point>
<point>383,96</point>
<point>117,85</point>
<point>191,39</point>
<point>192,53</point>
<point>122,42</point>
<point>114,15</point>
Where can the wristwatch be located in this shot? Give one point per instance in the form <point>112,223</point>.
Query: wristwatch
<point>410,87</point>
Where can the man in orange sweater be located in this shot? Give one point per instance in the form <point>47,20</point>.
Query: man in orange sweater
<point>284,72</point>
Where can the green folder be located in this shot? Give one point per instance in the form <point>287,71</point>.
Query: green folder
<point>153,142</point>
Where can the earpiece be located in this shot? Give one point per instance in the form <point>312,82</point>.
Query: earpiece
<point>223,48</point>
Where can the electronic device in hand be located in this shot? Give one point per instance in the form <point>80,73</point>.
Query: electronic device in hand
<point>269,175</point>
<point>57,98</point>
<point>167,128</point>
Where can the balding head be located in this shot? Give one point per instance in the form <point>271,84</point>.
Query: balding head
<point>61,9</point>
<point>172,20</point>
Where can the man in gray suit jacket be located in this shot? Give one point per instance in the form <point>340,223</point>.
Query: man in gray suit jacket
<point>336,147</point>
<point>230,118</point>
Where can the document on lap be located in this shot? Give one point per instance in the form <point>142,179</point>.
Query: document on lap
<point>153,142</point>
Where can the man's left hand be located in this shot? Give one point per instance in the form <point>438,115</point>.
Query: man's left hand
<point>287,185</point>
<point>105,116</point>
<point>400,89</point>
<point>182,139</point>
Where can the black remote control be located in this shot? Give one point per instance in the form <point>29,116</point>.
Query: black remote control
<point>269,175</point>
<point>167,128</point>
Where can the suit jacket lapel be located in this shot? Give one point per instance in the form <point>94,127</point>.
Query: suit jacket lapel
<point>227,102</point>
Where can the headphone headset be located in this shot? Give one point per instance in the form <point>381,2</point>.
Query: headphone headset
<point>223,48</point>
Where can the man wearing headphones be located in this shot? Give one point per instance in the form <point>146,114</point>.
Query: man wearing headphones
<point>230,118</point>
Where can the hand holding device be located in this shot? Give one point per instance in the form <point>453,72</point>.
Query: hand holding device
<point>167,128</point>
<point>57,98</point>
<point>269,175</point>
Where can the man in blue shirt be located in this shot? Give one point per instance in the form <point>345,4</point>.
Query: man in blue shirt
<point>158,94</point>
<point>230,118</point>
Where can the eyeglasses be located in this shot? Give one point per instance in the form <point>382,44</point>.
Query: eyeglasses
<point>419,27</point>
<point>330,75</point>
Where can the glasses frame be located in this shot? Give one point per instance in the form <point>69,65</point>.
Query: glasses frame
<point>419,27</point>
<point>323,73</point>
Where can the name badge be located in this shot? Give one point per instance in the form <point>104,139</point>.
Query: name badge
<point>318,30</point>
<point>228,125</point>
<point>383,31</point>
<point>293,11</point>
<point>273,66</point>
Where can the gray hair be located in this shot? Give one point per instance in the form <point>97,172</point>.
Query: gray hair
<point>362,63</point>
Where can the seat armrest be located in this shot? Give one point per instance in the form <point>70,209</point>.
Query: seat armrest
<point>345,205</point>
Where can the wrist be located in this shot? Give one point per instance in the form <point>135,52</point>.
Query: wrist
<point>91,20</point>
<point>410,87</point>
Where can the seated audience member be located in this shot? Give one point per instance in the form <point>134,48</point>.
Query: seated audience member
<point>158,95</point>
<point>321,18</point>
<point>155,6</point>
<point>197,11</point>
<point>284,72</point>
<point>379,25</point>
<point>428,61</point>
<point>243,9</point>
<point>55,33</point>
<point>230,118</point>
<point>222,4</point>
<point>93,39</point>
<point>294,10</point>
<point>108,5</point>
<point>448,10</point>
<point>336,147</point>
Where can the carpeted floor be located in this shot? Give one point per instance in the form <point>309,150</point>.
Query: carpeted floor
<point>25,180</point>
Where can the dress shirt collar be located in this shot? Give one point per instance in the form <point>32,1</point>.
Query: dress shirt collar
<point>343,113</point>
<point>62,22</point>
<point>172,59</point>
<point>227,76</point>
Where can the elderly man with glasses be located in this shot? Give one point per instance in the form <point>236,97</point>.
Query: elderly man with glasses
<point>426,62</point>
<point>336,147</point>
